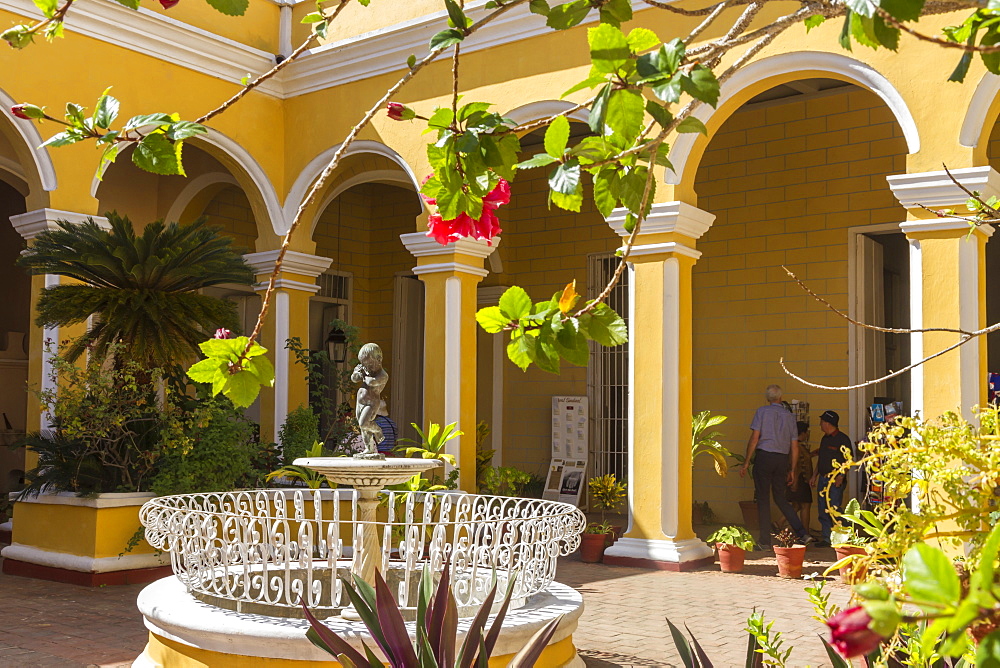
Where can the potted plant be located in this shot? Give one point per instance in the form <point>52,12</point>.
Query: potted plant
<point>789,553</point>
<point>705,441</point>
<point>732,543</point>
<point>607,494</point>
<point>849,543</point>
<point>593,541</point>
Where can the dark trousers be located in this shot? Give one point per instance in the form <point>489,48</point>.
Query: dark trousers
<point>836,501</point>
<point>770,476</point>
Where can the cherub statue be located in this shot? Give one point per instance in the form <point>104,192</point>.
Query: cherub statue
<point>373,379</point>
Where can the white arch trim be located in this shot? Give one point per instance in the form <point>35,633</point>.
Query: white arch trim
<point>789,63</point>
<point>191,190</point>
<point>249,165</point>
<point>316,166</point>
<point>33,140</point>
<point>376,176</point>
<point>534,111</point>
<point>979,108</point>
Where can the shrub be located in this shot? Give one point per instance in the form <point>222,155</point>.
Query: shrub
<point>298,433</point>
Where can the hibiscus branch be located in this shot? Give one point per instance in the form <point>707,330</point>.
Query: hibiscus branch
<point>318,184</point>
<point>25,34</point>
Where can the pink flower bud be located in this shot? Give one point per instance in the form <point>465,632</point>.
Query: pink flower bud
<point>167,4</point>
<point>400,112</point>
<point>851,633</point>
<point>223,333</point>
<point>27,111</point>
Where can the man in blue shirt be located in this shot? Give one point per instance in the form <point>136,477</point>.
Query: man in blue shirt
<point>775,440</point>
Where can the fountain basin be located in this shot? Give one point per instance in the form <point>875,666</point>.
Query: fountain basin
<point>367,472</point>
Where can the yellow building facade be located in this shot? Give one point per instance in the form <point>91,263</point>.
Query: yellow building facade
<point>818,160</point>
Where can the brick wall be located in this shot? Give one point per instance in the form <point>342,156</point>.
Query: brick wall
<point>785,181</point>
<point>230,210</point>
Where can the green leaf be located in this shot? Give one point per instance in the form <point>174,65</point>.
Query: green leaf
<point>616,12</point>
<point>887,35</point>
<point>156,154</point>
<point>606,190</point>
<point>929,575</point>
<point>241,388</point>
<point>903,10</point>
<point>521,350</point>
<point>692,124</point>
<point>814,21</point>
<point>131,4</point>
<point>492,319</point>
<point>572,346</point>
<point>567,14</point>
<point>988,651</point>
<point>862,7</point>
<point>411,61</point>
<point>74,114</point>
<point>314,17</point>
<point>147,119</point>
<point>455,14</point>
<point>568,201</point>
<point>207,370</point>
<point>540,7</point>
<point>609,49</point>
<point>605,326</point>
<point>599,110</point>
<point>565,178</point>
<point>702,85</point>
<point>539,160</point>
<point>642,39</point>
<point>991,60</point>
<point>515,303</point>
<point>557,136</point>
<point>669,92</point>
<point>64,138</point>
<point>231,8</point>
<point>47,7</point>
<point>184,129</point>
<point>625,113</point>
<point>589,82</point>
<point>108,157</point>
<point>446,38</point>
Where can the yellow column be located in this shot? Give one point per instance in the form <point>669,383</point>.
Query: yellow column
<point>29,225</point>
<point>947,287</point>
<point>288,317</point>
<point>450,275</point>
<point>659,532</point>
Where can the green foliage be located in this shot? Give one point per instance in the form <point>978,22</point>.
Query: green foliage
<point>484,456</point>
<point>142,289</point>
<point>505,481</point>
<point>705,442</point>
<point>436,644</point>
<point>770,645</point>
<point>311,478</point>
<point>215,451</point>
<point>733,535</point>
<point>606,493</point>
<point>298,435</point>
<point>546,332</point>
<point>233,370</point>
<point>432,443</point>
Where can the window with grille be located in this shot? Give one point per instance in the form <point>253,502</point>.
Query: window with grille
<point>607,377</point>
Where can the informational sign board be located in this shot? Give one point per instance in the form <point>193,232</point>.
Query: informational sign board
<point>569,428</point>
<point>570,443</point>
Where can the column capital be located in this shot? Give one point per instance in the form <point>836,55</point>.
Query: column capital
<point>465,255</point>
<point>937,190</point>
<point>665,218</point>
<point>29,225</point>
<point>294,263</point>
<point>956,227</point>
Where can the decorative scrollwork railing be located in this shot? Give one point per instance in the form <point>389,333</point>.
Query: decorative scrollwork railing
<point>269,548</point>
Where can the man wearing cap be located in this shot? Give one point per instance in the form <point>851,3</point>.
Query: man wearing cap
<point>774,438</point>
<point>830,488</point>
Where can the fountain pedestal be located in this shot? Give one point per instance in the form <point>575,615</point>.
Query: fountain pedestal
<point>368,477</point>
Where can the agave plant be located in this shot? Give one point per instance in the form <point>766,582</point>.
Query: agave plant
<point>705,442</point>
<point>436,644</point>
<point>142,289</point>
<point>312,479</point>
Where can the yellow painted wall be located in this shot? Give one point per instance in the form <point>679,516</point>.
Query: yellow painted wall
<point>756,177</point>
<point>231,211</point>
<point>85,531</point>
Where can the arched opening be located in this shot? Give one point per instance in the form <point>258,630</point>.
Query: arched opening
<point>369,284</point>
<point>797,178</point>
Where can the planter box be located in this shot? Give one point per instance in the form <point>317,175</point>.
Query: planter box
<point>67,538</point>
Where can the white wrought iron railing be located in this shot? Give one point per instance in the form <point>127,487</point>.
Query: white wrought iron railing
<point>264,550</point>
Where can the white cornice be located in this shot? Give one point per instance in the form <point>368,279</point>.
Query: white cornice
<point>449,267</point>
<point>162,37</point>
<point>665,217</point>
<point>936,190</point>
<point>387,49</point>
<point>294,262</point>
<point>29,225</point>
<point>284,283</point>
<point>421,245</point>
<point>944,225</point>
<point>640,250</point>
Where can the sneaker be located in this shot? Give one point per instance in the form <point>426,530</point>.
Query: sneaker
<point>807,540</point>
<point>821,543</point>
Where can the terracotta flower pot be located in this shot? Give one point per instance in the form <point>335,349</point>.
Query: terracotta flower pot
<point>592,547</point>
<point>790,561</point>
<point>730,557</point>
<point>852,572</point>
<point>749,509</point>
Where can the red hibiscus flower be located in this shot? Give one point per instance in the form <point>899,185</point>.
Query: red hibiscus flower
<point>485,227</point>
<point>850,633</point>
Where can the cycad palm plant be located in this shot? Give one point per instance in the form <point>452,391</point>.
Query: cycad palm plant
<point>141,288</point>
